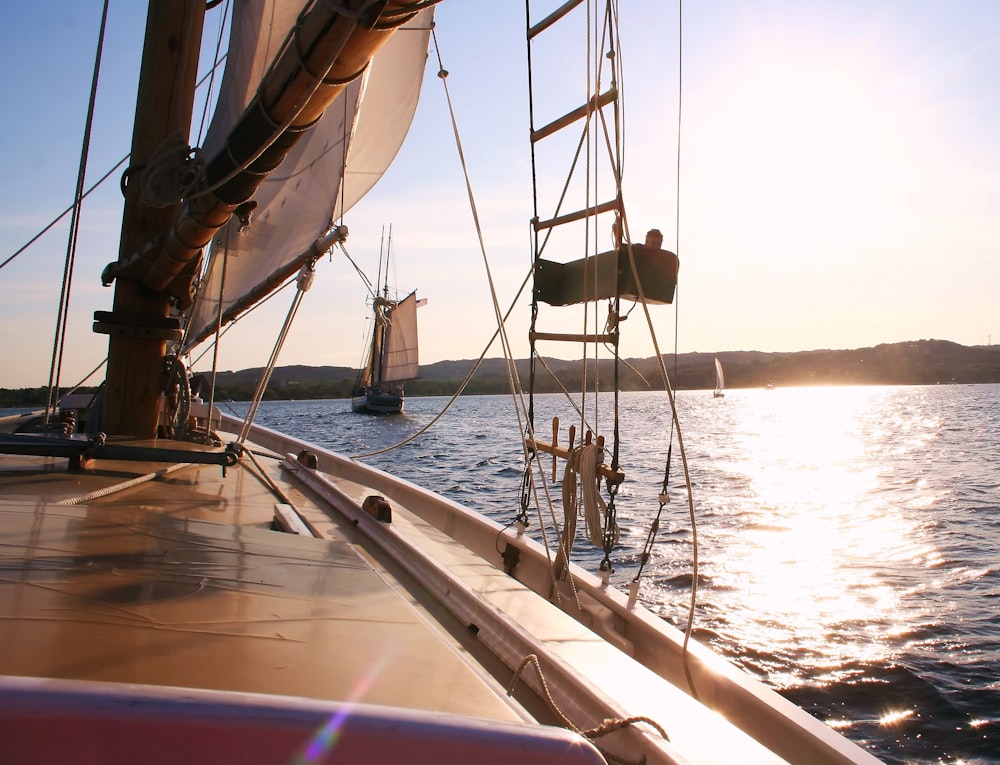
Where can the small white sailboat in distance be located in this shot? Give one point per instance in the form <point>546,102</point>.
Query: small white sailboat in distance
<point>720,381</point>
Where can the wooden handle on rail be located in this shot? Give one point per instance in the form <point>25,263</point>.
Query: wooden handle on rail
<point>615,476</point>
<point>555,442</point>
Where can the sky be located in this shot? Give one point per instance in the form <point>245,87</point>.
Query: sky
<point>839,181</point>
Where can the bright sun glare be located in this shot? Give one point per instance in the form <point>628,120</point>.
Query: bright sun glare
<point>813,529</point>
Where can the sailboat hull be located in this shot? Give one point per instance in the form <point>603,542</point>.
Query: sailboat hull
<point>377,401</point>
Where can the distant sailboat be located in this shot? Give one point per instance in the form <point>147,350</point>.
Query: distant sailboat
<point>720,380</point>
<point>392,355</point>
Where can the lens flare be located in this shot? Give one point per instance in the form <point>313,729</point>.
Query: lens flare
<point>326,736</point>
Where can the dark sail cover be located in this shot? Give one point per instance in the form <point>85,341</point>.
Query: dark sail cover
<point>605,275</point>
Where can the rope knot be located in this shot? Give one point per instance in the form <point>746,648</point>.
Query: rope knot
<point>175,171</point>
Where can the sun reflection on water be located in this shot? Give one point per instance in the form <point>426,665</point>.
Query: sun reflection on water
<point>892,718</point>
<point>811,544</point>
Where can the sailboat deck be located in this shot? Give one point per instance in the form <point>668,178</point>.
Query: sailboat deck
<point>181,582</point>
<point>695,733</point>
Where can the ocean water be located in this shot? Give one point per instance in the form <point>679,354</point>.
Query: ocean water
<point>848,538</point>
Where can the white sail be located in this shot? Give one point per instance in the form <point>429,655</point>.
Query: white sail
<point>720,378</point>
<point>297,203</point>
<point>400,357</point>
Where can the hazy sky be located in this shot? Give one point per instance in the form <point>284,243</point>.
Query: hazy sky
<point>839,188</point>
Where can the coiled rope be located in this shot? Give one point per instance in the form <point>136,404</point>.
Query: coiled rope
<point>174,172</point>
<point>583,461</point>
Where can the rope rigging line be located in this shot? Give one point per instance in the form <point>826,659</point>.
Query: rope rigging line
<point>505,343</point>
<point>677,191</point>
<point>590,172</point>
<point>611,531</point>
<point>87,376</point>
<point>680,441</point>
<point>364,277</point>
<point>59,341</point>
<point>588,151</point>
<point>675,422</point>
<point>687,477</point>
<point>218,331</point>
<point>303,283</point>
<point>64,213</point>
<point>513,382</point>
<point>97,184</point>
<point>124,485</point>
<point>261,474</point>
<point>218,59</point>
<point>512,379</point>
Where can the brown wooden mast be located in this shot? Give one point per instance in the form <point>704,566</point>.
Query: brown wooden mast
<point>138,326</point>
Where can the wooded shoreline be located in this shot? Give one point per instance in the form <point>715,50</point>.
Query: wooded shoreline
<point>921,362</point>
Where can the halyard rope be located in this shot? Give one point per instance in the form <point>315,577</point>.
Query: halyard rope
<point>512,377</point>
<point>304,282</point>
<point>59,340</point>
<point>93,187</point>
<point>52,224</point>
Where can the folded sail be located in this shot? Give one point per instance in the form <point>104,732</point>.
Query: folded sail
<point>400,355</point>
<point>297,203</point>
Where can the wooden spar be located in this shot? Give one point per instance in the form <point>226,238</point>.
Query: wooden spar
<point>164,104</point>
<point>348,35</point>
<point>564,452</point>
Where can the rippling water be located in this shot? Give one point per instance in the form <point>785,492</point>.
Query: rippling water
<point>848,537</point>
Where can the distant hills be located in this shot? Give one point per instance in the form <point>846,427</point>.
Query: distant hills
<point>920,362</point>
